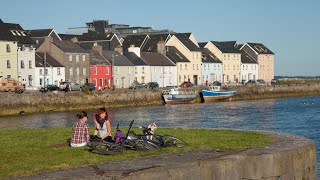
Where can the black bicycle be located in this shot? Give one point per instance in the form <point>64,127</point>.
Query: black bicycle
<point>123,142</point>
<point>160,140</point>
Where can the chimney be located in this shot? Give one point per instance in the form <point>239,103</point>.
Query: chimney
<point>48,39</point>
<point>161,48</point>
<point>74,39</point>
<point>119,49</point>
<point>135,50</point>
<point>96,47</point>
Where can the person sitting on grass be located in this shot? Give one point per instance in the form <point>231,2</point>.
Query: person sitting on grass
<point>80,131</point>
<point>102,127</point>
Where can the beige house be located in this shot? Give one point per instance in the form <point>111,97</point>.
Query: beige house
<point>190,69</point>
<point>8,59</point>
<point>264,57</point>
<point>230,56</point>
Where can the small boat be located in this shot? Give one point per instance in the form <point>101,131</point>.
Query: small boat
<point>215,94</point>
<point>176,96</point>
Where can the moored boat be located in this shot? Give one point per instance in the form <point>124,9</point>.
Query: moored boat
<point>176,96</point>
<point>215,94</point>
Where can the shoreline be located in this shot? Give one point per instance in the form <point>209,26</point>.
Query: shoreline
<point>37,102</point>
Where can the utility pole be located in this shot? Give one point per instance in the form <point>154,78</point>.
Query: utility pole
<point>112,64</point>
<point>44,66</point>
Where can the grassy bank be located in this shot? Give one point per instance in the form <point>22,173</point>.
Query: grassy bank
<point>32,102</point>
<point>30,151</point>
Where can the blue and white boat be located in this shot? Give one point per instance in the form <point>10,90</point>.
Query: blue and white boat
<point>215,94</point>
<point>176,96</point>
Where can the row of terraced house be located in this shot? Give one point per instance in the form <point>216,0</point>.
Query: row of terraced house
<point>107,55</point>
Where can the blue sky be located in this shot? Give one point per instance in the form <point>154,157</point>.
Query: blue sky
<point>290,28</point>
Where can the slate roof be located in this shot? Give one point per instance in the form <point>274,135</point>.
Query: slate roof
<point>39,32</point>
<point>135,40</point>
<point>209,57</point>
<point>88,37</point>
<point>156,59</point>
<point>50,61</point>
<point>69,46</point>
<point>175,55</point>
<point>260,48</point>
<point>151,43</point>
<point>184,38</point>
<point>5,33</point>
<point>226,46</point>
<point>97,59</point>
<point>202,44</point>
<point>68,36</point>
<point>14,32</point>
<point>132,57</point>
<point>119,59</point>
<point>245,58</point>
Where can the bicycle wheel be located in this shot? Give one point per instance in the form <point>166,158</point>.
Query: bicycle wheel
<point>107,148</point>
<point>170,141</point>
<point>145,145</point>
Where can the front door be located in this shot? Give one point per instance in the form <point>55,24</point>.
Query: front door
<point>101,83</point>
<point>195,79</point>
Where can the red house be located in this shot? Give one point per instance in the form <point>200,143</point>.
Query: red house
<point>100,69</point>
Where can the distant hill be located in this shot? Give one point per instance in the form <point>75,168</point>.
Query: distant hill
<point>297,77</point>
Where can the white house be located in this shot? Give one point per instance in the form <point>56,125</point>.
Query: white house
<point>26,66</point>
<point>211,67</point>
<point>249,68</point>
<point>52,73</point>
<point>162,69</point>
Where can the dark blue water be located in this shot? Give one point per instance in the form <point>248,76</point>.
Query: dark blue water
<point>299,116</point>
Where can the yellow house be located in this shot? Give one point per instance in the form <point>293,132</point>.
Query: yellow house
<point>189,70</point>
<point>264,57</point>
<point>8,58</point>
<point>230,56</point>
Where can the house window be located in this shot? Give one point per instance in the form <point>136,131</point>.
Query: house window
<point>77,58</point>
<point>40,80</point>
<point>179,78</point>
<point>95,82</point>
<point>234,77</point>
<point>135,70</point>
<point>95,70</point>
<point>107,70</point>
<point>41,72</point>
<point>8,64</point>
<point>142,70</point>
<point>77,71</point>
<point>197,66</point>
<point>8,48</point>
<point>83,57</point>
<point>71,71</point>
<point>46,72</point>
<point>70,57</point>
<point>227,77</point>
<point>30,64</point>
<point>204,66</point>
<point>58,71</point>
<point>22,64</point>
<point>193,66</point>
<point>30,80</point>
<point>185,66</point>
<point>129,70</point>
<point>142,79</point>
<point>84,71</point>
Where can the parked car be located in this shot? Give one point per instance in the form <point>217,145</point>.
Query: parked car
<point>275,82</point>
<point>216,83</point>
<point>261,82</point>
<point>136,85</point>
<point>90,86</point>
<point>152,85</point>
<point>186,84</point>
<point>251,82</point>
<point>72,86</point>
<point>49,88</point>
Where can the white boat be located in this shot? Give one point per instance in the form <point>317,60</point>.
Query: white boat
<point>176,96</point>
<point>215,94</point>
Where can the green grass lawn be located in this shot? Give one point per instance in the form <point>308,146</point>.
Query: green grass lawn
<point>30,151</point>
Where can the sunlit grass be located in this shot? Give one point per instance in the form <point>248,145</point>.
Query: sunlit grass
<point>30,151</point>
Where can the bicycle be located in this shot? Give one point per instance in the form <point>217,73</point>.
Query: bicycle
<point>160,140</point>
<point>123,142</point>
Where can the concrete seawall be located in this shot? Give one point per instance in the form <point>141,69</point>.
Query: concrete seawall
<point>288,158</point>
